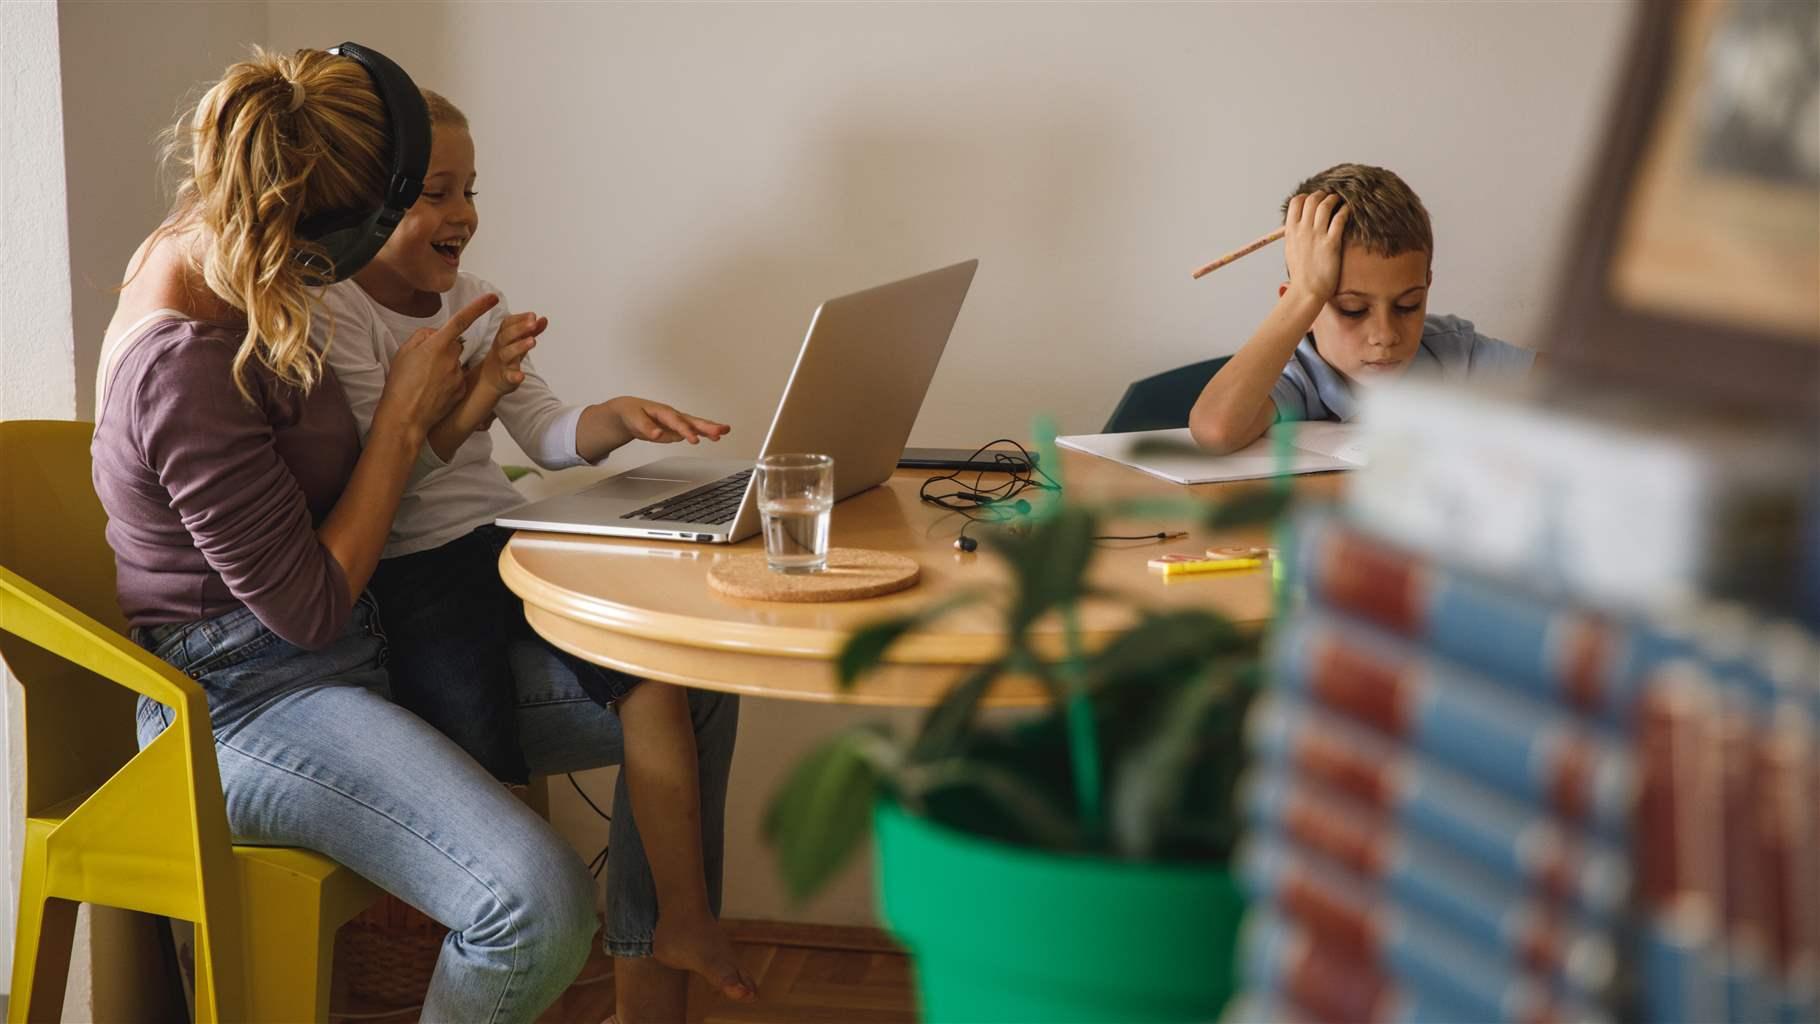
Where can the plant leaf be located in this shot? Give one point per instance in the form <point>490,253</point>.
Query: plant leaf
<point>1037,819</point>
<point>1250,508</point>
<point>817,818</point>
<point>866,646</point>
<point>1151,778</point>
<point>1166,509</point>
<point>1169,646</point>
<point>514,472</point>
<point>1206,822</point>
<point>946,723</point>
<point>1164,446</point>
<point>1048,458</point>
<point>1049,562</point>
<point>1018,657</point>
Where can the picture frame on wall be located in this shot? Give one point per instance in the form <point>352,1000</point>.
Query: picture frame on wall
<point>1723,222</point>
<point>1696,269</point>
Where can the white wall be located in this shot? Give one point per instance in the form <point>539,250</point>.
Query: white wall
<point>677,186</point>
<point>128,70</point>
<point>37,375</point>
<point>37,379</point>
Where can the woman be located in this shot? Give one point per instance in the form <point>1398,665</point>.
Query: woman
<point>247,518</point>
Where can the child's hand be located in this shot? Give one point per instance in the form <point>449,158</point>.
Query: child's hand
<point>425,380</point>
<point>501,371</point>
<point>655,421</point>
<point>1314,235</point>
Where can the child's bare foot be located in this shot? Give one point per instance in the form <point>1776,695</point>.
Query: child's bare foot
<point>699,945</point>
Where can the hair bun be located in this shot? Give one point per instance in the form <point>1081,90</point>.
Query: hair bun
<point>297,96</point>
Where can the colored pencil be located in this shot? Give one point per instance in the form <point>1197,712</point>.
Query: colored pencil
<point>1237,253</point>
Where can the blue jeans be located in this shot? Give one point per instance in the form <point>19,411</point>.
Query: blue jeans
<point>452,626</point>
<point>313,754</point>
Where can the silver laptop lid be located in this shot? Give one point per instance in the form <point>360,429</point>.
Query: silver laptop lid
<point>854,392</point>
<point>860,379</point>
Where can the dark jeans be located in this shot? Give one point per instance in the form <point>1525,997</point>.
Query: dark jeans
<point>451,623</point>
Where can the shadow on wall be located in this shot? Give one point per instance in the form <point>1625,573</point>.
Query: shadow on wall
<point>1033,198</point>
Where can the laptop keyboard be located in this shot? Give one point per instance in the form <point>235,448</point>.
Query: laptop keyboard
<point>711,504</point>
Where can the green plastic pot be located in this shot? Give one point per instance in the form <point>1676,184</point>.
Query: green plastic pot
<point>1004,934</point>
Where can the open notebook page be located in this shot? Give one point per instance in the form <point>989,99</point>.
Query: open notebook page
<point>1183,464</point>
<point>1343,441</point>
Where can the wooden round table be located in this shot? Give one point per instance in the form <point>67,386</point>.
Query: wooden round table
<point>645,607</point>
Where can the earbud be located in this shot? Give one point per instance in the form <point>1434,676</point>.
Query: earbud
<point>966,544</point>
<point>1022,506</point>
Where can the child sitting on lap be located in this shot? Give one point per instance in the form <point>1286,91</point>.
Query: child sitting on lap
<point>455,631</point>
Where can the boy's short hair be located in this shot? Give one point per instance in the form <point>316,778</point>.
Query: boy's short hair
<point>442,112</point>
<point>1387,217</point>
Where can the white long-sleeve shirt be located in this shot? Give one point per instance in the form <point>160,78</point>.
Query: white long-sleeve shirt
<point>443,500</point>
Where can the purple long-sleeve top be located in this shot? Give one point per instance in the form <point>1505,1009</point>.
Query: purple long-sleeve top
<point>212,501</point>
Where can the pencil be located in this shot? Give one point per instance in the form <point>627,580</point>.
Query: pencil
<point>1236,253</point>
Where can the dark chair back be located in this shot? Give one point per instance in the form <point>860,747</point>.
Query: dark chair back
<point>1162,401</point>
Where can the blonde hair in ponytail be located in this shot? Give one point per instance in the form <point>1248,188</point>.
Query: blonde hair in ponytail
<point>279,139</point>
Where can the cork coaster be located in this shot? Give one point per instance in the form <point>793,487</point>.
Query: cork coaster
<point>852,574</point>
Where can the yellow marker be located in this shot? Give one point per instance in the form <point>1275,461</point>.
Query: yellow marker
<point>1181,565</point>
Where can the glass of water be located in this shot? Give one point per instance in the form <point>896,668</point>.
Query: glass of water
<point>795,500</point>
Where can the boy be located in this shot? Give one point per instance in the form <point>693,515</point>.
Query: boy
<point>1360,253</point>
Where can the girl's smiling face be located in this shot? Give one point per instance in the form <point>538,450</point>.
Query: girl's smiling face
<point>1372,327</point>
<point>421,259</point>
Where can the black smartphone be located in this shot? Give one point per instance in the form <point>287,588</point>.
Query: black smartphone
<point>999,460</point>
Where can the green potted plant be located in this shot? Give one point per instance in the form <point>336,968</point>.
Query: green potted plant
<point>1072,865</point>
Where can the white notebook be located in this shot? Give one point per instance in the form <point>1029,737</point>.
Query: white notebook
<point>1315,448</point>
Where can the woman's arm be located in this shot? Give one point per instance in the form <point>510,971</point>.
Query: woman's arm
<point>215,454</point>
<point>215,457</point>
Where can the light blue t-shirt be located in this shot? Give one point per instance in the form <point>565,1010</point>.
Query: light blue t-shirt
<point>1309,389</point>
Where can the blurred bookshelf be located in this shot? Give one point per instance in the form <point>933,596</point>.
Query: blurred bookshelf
<point>1541,736</point>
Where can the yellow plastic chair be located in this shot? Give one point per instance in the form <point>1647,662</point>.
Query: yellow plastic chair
<point>109,824</point>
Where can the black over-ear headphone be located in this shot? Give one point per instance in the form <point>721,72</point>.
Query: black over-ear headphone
<point>351,238</point>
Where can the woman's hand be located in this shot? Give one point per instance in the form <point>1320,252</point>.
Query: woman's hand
<point>425,380</point>
<point>1314,237</point>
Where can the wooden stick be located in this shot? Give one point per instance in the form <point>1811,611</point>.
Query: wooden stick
<point>1236,253</point>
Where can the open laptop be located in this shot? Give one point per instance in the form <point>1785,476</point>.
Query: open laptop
<point>854,393</point>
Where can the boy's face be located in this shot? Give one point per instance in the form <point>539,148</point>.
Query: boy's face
<point>420,260</point>
<point>1372,327</point>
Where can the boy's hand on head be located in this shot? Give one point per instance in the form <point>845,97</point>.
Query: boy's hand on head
<point>1314,237</point>
<point>654,421</point>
